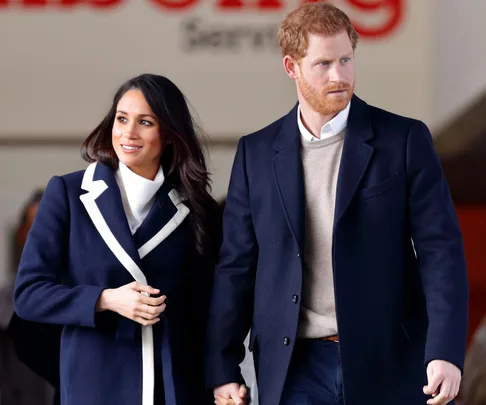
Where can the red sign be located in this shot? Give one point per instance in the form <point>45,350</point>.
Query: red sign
<point>61,3</point>
<point>394,9</point>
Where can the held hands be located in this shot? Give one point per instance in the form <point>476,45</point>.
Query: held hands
<point>133,301</point>
<point>444,380</point>
<point>230,394</point>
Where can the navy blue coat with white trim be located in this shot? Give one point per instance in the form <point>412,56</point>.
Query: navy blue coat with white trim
<point>80,243</point>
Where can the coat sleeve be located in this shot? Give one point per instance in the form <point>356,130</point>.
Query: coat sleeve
<point>40,295</point>
<point>439,248</point>
<point>231,306</point>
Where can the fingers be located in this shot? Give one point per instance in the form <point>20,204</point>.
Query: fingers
<point>152,301</point>
<point>242,392</point>
<point>444,397</point>
<point>220,400</point>
<point>444,379</point>
<point>144,288</point>
<point>455,388</point>
<point>230,394</point>
<point>225,390</point>
<point>430,374</point>
<point>447,392</point>
<point>237,399</point>
<point>148,308</point>
<point>147,312</point>
<point>146,322</point>
<point>434,381</point>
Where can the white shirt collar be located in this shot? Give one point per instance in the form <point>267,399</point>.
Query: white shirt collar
<point>138,193</point>
<point>333,127</point>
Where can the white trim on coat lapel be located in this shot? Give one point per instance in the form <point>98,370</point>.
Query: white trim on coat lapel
<point>95,189</point>
<point>169,227</point>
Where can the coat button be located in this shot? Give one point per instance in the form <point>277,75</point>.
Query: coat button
<point>295,299</point>
<point>286,341</point>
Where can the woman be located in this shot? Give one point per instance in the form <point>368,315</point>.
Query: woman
<point>122,255</point>
<point>19,384</point>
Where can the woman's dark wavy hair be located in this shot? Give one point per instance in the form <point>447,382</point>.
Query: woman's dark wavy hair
<point>182,157</point>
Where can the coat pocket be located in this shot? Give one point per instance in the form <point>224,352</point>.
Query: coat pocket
<point>380,188</point>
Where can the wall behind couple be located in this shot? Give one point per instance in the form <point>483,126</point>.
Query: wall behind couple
<point>60,65</point>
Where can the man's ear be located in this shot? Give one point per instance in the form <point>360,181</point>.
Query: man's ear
<point>291,67</point>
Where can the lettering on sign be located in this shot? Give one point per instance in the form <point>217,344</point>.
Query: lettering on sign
<point>202,34</point>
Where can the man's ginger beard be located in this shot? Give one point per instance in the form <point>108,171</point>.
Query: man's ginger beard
<point>321,102</point>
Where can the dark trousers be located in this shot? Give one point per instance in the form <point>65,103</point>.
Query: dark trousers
<point>315,374</point>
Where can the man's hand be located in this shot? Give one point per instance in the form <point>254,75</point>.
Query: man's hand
<point>230,394</point>
<point>444,380</point>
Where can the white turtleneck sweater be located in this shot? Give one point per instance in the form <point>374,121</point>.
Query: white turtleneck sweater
<point>138,194</point>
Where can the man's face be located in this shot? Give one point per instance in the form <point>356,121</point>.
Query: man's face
<point>326,73</point>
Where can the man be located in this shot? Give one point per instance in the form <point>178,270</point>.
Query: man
<point>341,247</point>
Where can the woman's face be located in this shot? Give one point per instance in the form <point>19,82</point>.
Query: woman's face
<point>136,135</point>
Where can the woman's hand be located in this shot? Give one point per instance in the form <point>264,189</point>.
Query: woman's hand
<point>133,301</point>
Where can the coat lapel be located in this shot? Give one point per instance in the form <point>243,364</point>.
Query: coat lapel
<point>104,206</point>
<point>166,214</point>
<point>287,166</point>
<point>355,157</point>
<point>160,213</point>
